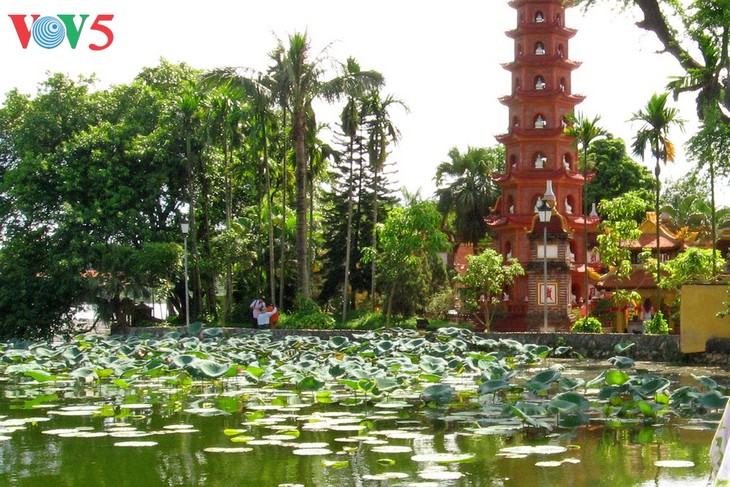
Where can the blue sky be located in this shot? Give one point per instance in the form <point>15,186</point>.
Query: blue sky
<point>443,60</point>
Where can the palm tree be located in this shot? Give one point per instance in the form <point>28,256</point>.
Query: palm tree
<point>299,82</point>
<point>381,132</point>
<point>711,146</point>
<point>658,120</point>
<point>224,121</point>
<point>584,132</point>
<point>465,190</point>
<point>255,87</point>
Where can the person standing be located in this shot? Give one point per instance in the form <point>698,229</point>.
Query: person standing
<point>264,318</point>
<point>257,307</point>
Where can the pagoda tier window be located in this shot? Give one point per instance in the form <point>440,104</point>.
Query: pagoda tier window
<point>563,84</point>
<point>569,204</point>
<point>540,122</point>
<point>567,161</point>
<point>519,49</point>
<point>558,19</point>
<point>571,251</point>
<point>536,202</point>
<point>508,250</point>
<point>539,49</point>
<point>515,121</point>
<point>513,161</point>
<point>510,205</point>
<point>561,51</point>
<point>518,83</point>
<point>540,83</point>
<point>539,17</point>
<point>540,160</point>
<point>565,122</point>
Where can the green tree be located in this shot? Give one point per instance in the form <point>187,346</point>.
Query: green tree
<point>409,241</point>
<point>485,280</point>
<point>381,133</point>
<point>299,81</point>
<point>466,192</point>
<point>584,132</point>
<point>658,120</point>
<point>619,227</point>
<point>710,147</point>
<point>617,174</point>
<point>693,265</point>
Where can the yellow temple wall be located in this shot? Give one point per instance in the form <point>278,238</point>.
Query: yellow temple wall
<point>699,308</point>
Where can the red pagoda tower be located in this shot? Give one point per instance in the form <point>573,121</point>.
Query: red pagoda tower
<point>541,161</point>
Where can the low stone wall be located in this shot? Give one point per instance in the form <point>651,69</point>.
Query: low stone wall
<point>659,348</point>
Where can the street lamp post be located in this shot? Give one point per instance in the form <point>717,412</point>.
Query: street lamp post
<point>544,212</point>
<point>185,228</point>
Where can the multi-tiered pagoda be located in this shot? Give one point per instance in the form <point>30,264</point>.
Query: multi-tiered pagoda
<point>540,158</point>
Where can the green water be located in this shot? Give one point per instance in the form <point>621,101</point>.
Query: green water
<point>603,456</point>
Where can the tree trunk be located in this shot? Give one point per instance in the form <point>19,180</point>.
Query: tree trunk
<point>348,239</point>
<point>270,225</point>
<point>301,210</point>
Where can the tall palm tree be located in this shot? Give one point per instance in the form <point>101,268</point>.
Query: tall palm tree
<point>299,81</point>
<point>466,191</point>
<point>658,120</point>
<point>256,88</point>
<point>224,124</point>
<point>381,133</point>
<point>584,132</point>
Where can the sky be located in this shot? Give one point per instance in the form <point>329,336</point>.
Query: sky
<point>443,60</point>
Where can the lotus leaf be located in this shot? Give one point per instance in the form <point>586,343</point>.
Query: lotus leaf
<point>439,394</point>
<point>621,362</point>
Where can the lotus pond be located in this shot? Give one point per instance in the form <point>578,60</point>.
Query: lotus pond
<point>393,408</point>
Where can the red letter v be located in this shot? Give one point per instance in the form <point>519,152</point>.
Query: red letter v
<point>22,29</point>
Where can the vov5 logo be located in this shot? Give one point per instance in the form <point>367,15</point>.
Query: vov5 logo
<point>50,31</point>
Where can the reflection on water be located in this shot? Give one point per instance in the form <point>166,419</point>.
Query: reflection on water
<point>597,455</point>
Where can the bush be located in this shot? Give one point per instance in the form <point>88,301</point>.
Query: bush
<point>587,325</point>
<point>657,325</point>
<point>308,317</point>
<point>308,321</point>
<point>439,305</point>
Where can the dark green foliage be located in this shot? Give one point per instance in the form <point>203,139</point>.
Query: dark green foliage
<point>657,325</point>
<point>587,324</point>
<point>617,174</point>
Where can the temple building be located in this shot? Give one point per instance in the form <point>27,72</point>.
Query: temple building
<point>542,164</point>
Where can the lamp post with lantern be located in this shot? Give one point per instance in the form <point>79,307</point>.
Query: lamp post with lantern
<point>545,213</point>
<point>185,229</point>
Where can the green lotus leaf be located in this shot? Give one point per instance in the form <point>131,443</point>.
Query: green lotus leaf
<point>338,342</point>
<point>650,385</point>
<point>616,377</point>
<point>212,369</point>
<point>623,347</point>
<point>310,383</point>
<point>570,383</point>
<point>621,362</point>
<point>491,386</point>
<point>195,328</point>
<point>439,394</point>
<point>574,398</point>
<point>386,384</point>
<point>709,383</point>
<point>40,375</point>
<point>712,400</point>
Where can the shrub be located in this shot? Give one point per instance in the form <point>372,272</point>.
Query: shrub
<point>657,325</point>
<point>440,304</point>
<point>587,325</point>
<point>308,317</point>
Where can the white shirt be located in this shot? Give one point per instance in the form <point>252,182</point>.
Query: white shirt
<point>264,317</point>
<point>257,306</point>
